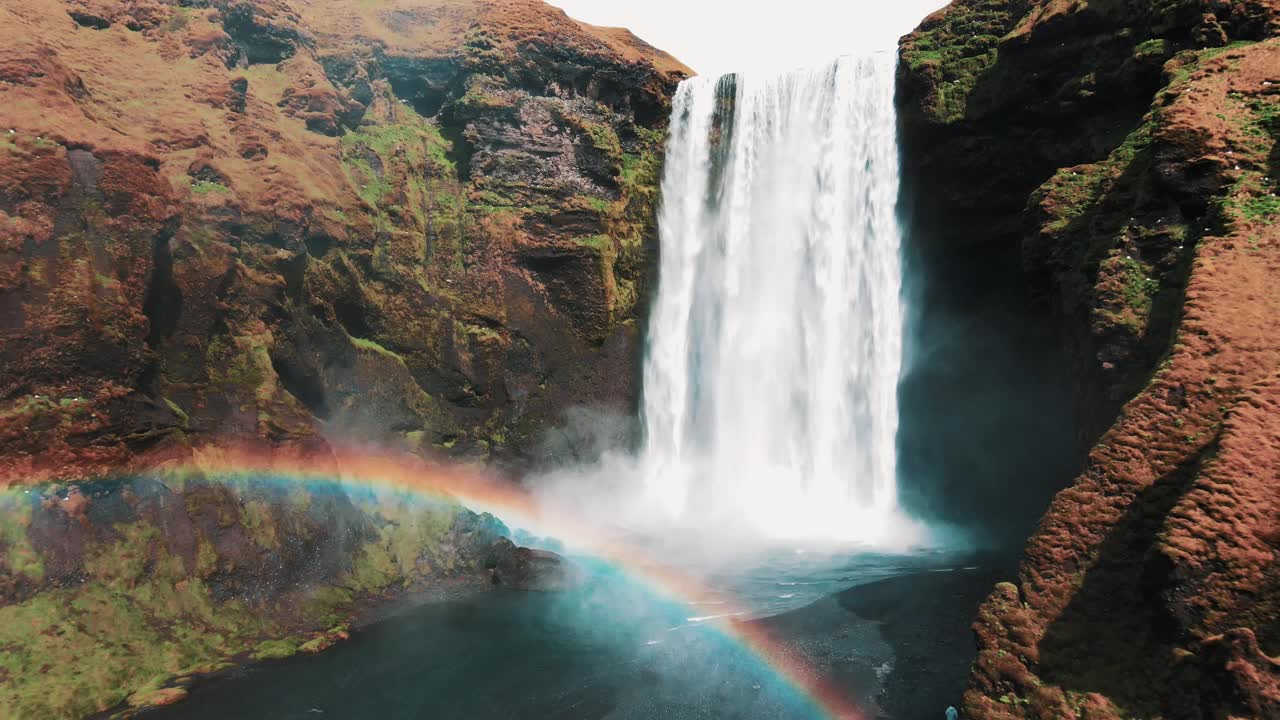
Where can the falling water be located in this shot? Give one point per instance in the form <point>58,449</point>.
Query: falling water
<point>770,383</point>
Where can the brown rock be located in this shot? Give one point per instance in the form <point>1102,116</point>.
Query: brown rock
<point>420,224</point>
<point>1150,580</point>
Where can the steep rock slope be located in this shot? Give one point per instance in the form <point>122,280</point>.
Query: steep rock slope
<point>1131,149</point>
<point>422,223</point>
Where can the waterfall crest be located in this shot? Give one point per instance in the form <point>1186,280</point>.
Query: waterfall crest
<point>775,341</point>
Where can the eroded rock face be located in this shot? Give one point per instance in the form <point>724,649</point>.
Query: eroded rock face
<point>1150,588</point>
<point>421,224</point>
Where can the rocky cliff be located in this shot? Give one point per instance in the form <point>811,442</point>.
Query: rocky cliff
<point>292,226</point>
<point>421,223</point>
<point>1130,150</point>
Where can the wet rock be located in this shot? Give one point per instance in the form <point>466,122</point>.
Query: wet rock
<point>207,570</point>
<point>520,568</point>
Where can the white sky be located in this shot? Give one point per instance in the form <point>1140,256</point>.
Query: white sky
<point>718,36</point>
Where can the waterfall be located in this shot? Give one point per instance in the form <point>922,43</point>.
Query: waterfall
<point>775,341</point>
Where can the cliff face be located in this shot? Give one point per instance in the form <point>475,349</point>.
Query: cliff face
<point>291,226</point>
<point>425,224</point>
<point>1131,149</point>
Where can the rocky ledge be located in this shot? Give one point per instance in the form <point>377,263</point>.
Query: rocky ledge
<point>1142,188</point>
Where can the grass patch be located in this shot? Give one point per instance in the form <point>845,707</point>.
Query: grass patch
<point>597,242</point>
<point>371,346</point>
<point>205,187</point>
<point>1139,289</point>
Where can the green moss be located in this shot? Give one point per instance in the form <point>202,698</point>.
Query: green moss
<point>473,330</point>
<point>325,640</point>
<point>314,645</point>
<point>373,568</point>
<point>1186,63</point>
<point>20,555</point>
<point>70,652</point>
<point>1139,288</point>
<point>1157,47</point>
<point>206,559</point>
<point>598,204</point>
<point>420,534</point>
<point>256,518</point>
<point>406,153</point>
<point>921,57</point>
<point>236,365</point>
<point>597,242</point>
<point>484,94</point>
<point>410,534</point>
<point>123,564</point>
<point>603,138</point>
<point>957,50</point>
<point>414,137</point>
<point>155,691</point>
<point>140,619</point>
<point>493,199</point>
<point>1266,115</point>
<point>371,186</point>
<point>183,419</point>
<point>275,649</point>
<point>330,605</point>
<point>24,405</point>
<point>1073,191</point>
<point>640,172</point>
<point>405,173</point>
<point>481,49</point>
<point>371,346</point>
<point>1252,199</point>
<point>1261,209</point>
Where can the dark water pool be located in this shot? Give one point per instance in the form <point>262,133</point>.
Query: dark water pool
<point>613,648</point>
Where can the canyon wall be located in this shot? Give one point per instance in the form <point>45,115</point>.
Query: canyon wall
<point>427,225</point>
<point>1128,150</point>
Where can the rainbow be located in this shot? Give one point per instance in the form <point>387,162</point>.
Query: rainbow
<point>386,472</point>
